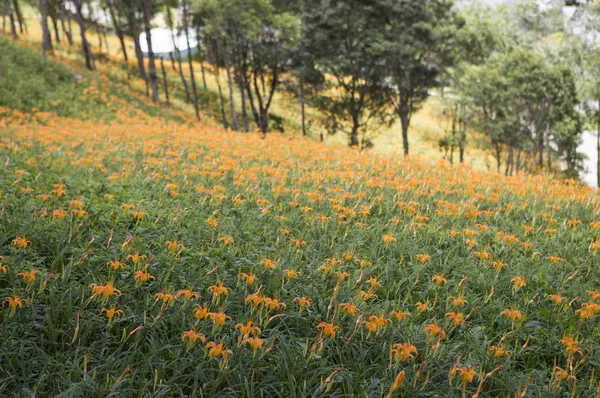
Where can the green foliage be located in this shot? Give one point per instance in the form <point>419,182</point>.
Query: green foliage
<point>30,81</point>
<point>512,88</point>
<point>524,103</point>
<point>420,44</point>
<point>383,57</point>
<point>255,36</point>
<point>345,39</point>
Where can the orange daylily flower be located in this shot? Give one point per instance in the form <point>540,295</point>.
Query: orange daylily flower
<point>403,351</point>
<point>328,329</point>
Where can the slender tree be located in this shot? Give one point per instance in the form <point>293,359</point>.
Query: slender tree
<point>177,54</point>
<point>416,34</point>
<point>53,18</point>
<point>202,58</point>
<point>46,39</point>
<point>306,79</point>
<point>118,29</point>
<point>164,75</point>
<point>187,38</point>
<point>130,10</point>
<point>261,36</point>
<point>87,50</point>
<point>151,64</point>
<point>240,84</point>
<point>201,55</point>
<point>63,14</point>
<point>347,46</point>
<point>19,14</point>
<point>215,62</point>
<point>234,117</point>
<point>11,17</point>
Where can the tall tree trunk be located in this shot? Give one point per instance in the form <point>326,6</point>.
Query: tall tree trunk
<point>178,54</point>
<point>403,111</point>
<point>302,106</point>
<point>264,116</point>
<point>202,59</point>
<point>106,45</point>
<point>172,58</point>
<point>11,17</point>
<point>70,26</point>
<point>255,112</point>
<point>453,132</point>
<point>463,135</point>
<point>19,14</point>
<point>215,53</point>
<point>509,156</point>
<point>118,29</point>
<point>234,118</point>
<point>240,84</point>
<point>46,39</point>
<point>221,99</point>
<point>183,79</point>
<point>264,97</point>
<point>541,151</point>
<point>404,121</point>
<point>64,28</point>
<point>164,74</point>
<point>55,26</point>
<point>598,150</point>
<point>87,51</point>
<point>134,32</point>
<point>151,64</point>
<point>498,153</point>
<point>187,38</point>
<point>354,135</point>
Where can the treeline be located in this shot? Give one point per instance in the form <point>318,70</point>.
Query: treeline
<point>128,18</point>
<point>365,64</point>
<point>515,86</point>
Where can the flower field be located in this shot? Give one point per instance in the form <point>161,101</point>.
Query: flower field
<point>151,258</point>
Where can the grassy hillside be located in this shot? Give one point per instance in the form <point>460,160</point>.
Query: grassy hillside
<point>149,257</point>
<point>58,86</point>
<point>145,254</point>
<point>427,126</point>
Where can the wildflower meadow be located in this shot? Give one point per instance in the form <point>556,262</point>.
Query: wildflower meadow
<point>152,258</point>
<point>144,252</point>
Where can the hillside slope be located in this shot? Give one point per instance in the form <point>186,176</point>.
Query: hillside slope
<point>143,253</point>
<point>427,127</point>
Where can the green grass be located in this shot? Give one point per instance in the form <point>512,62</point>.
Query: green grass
<point>32,82</point>
<point>114,148</point>
<point>60,343</point>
